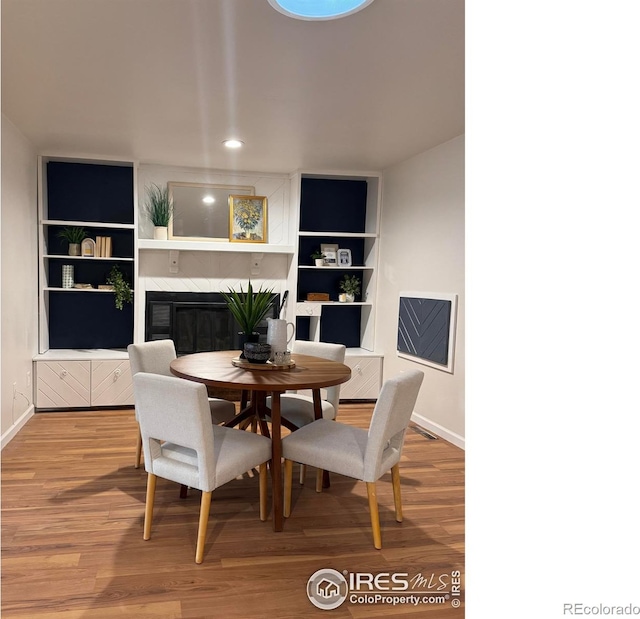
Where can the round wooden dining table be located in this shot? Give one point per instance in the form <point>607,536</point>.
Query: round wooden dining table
<point>215,369</point>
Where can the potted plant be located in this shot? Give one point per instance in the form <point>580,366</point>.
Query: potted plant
<point>121,288</point>
<point>350,285</point>
<point>73,236</point>
<point>318,256</point>
<point>159,209</point>
<point>249,308</point>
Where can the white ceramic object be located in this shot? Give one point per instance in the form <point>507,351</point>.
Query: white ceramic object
<point>277,334</point>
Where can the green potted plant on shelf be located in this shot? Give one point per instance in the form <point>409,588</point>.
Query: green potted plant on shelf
<point>159,209</point>
<point>318,256</point>
<point>350,286</point>
<point>249,309</point>
<point>74,236</point>
<point>122,290</point>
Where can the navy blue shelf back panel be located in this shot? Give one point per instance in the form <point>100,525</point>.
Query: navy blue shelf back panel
<point>423,328</point>
<point>341,325</point>
<point>88,320</point>
<point>326,279</point>
<point>90,192</point>
<point>121,240</point>
<point>333,205</point>
<point>307,245</point>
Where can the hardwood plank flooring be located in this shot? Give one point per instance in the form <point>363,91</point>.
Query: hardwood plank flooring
<point>72,548</point>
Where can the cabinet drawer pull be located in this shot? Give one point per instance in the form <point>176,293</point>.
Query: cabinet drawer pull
<point>117,374</point>
<point>63,373</point>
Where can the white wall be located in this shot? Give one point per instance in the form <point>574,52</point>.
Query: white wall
<point>422,249</point>
<point>19,335</point>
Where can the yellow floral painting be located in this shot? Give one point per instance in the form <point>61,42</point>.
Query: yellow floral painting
<point>248,219</point>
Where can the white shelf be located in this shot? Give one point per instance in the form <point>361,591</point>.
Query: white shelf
<point>65,257</point>
<point>254,248</point>
<point>335,303</point>
<point>86,224</point>
<point>338,268</point>
<point>81,354</point>
<point>52,289</point>
<point>346,235</point>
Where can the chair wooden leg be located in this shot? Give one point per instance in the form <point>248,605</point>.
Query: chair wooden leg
<point>205,506</point>
<point>303,473</point>
<point>288,481</point>
<point>397,497</point>
<point>375,516</point>
<point>319,477</point>
<point>148,508</point>
<point>138,450</point>
<point>263,491</point>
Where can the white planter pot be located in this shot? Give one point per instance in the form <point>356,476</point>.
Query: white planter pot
<point>160,233</point>
<point>74,249</point>
<point>350,298</point>
<point>319,262</point>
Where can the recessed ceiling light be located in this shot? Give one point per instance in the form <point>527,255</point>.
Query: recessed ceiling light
<point>318,9</point>
<point>233,143</point>
<point>208,199</point>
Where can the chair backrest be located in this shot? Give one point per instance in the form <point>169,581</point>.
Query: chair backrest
<point>389,422</point>
<point>333,352</point>
<point>152,357</point>
<point>175,411</point>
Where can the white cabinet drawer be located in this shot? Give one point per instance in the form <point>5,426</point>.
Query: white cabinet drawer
<point>111,383</point>
<point>308,309</point>
<point>63,384</point>
<point>366,378</point>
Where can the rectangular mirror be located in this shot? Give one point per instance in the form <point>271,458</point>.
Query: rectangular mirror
<point>201,211</point>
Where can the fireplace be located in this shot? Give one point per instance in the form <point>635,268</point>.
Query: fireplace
<point>195,321</point>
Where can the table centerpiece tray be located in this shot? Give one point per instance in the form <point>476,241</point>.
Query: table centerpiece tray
<point>269,365</point>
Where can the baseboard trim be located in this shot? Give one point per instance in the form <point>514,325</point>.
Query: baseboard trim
<point>16,427</point>
<point>438,430</point>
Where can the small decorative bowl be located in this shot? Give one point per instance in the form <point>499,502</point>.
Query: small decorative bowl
<point>256,352</point>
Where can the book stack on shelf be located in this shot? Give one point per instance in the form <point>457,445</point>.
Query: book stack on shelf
<point>103,247</point>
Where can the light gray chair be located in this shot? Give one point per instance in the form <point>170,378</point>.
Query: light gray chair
<point>155,358</point>
<point>354,452</point>
<point>182,445</point>
<point>297,409</point>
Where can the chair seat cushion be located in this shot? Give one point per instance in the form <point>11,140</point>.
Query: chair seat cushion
<point>298,409</point>
<point>328,445</point>
<point>221,410</point>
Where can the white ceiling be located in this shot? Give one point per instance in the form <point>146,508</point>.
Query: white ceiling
<point>166,81</point>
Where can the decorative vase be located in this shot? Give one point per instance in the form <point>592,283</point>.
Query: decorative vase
<point>243,338</point>
<point>74,249</point>
<point>160,233</point>
<point>256,352</point>
<point>319,262</point>
<point>350,297</point>
<point>67,276</point>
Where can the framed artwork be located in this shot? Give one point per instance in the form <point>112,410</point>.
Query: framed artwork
<point>330,252</point>
<point>248,219</point>
<point>427,328</point>
<point>344,257</point>
<point>88,248</point>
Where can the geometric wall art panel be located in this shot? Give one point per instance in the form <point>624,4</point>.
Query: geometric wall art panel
<point>426,328</point>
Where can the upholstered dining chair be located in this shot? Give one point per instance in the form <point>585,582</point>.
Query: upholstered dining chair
<point>296,409</point>
<point>182,445</point>
<point>354,452</point>
<point>154,358</point>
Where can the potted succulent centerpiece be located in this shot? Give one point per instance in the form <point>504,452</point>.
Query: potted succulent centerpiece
<point>249,309</point>
<point>159,209</point>
<point>350,286</point>
<point>318,257</point>
<point>74,236</point>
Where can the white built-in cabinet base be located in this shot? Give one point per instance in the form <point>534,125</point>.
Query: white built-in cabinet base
<point>75,383</point>
<point>366,378</point>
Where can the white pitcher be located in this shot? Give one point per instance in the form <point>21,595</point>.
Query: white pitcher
<point>277,334</point>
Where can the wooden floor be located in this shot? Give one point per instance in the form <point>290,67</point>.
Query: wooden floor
<point>72,512</point>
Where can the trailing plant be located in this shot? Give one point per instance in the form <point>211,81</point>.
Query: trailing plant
<point>249,308</point>
<point>159,206</point>
<point>73,236</point>
<point>350,284</point>
<point>121,288</point>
